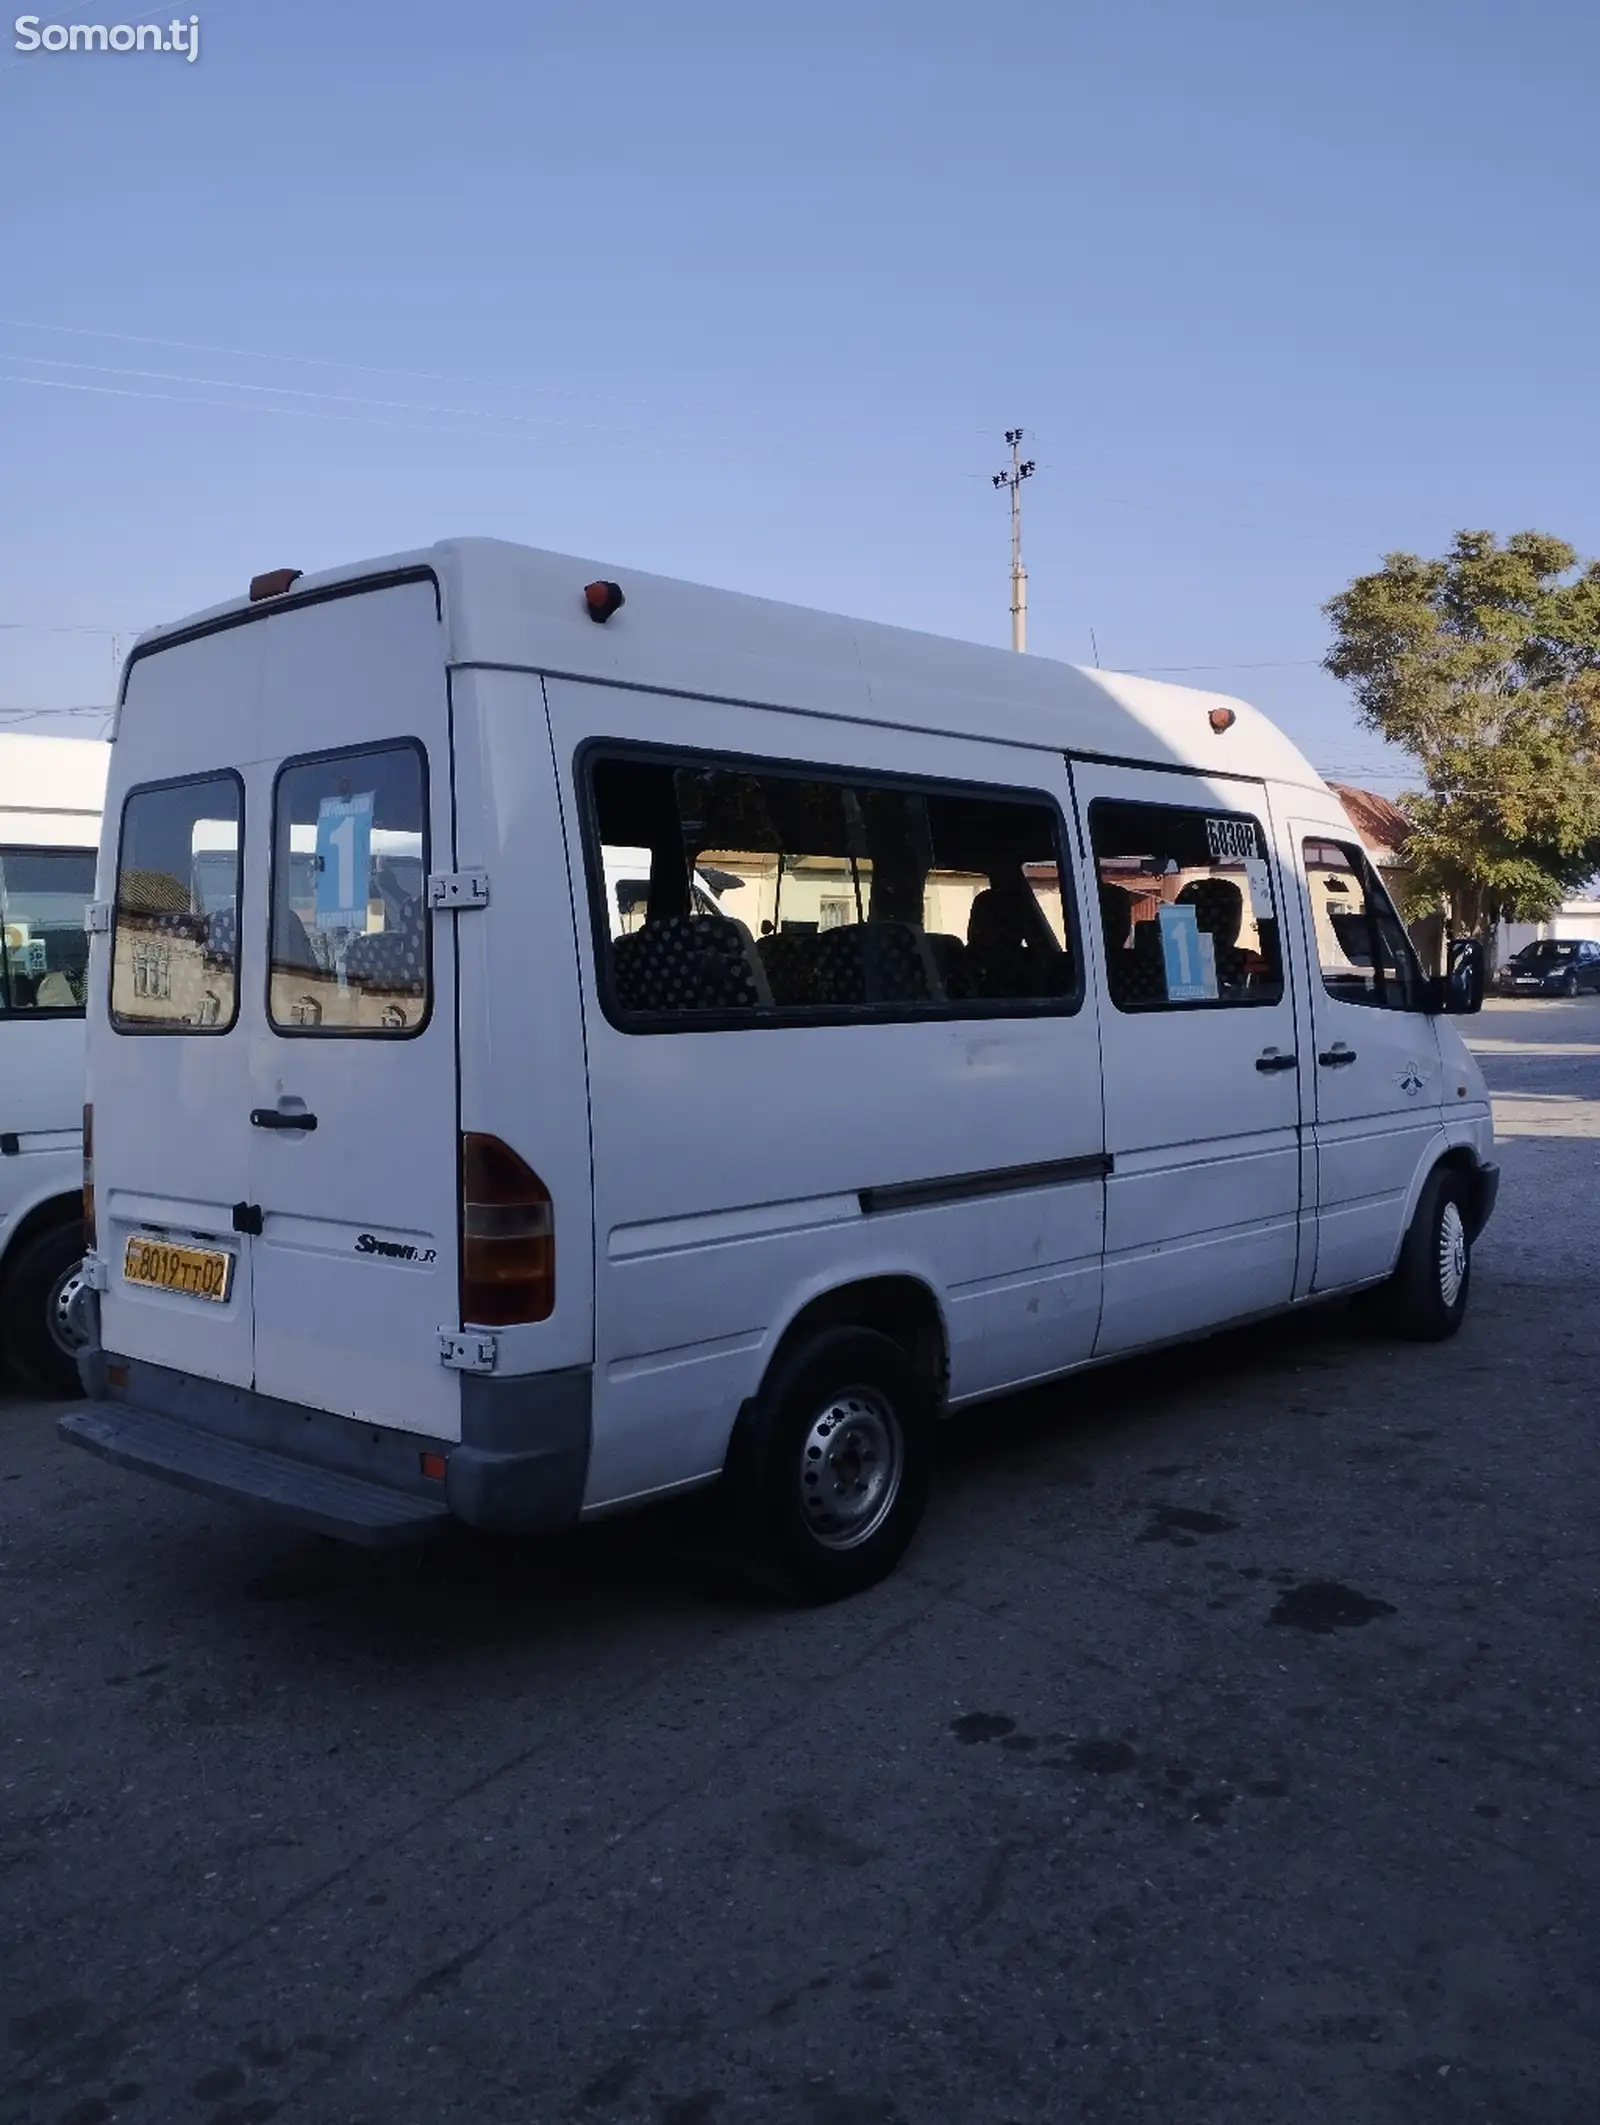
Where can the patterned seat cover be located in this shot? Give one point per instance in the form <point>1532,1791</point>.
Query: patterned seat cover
<point>689,963</point>
<point>393,962</point>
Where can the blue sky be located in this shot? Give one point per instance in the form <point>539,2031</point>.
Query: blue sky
<point>748,294</point>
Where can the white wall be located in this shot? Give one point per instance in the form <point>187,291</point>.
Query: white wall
<point>1574,918</point>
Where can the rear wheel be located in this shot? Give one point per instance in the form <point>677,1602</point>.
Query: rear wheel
<point>1570,986</point>
<point>830,1467</point>
<point>1426,1298</point>
<point>38,1337</point>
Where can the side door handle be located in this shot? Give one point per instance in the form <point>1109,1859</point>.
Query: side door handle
<point>274,1118</point>
<point>1335,1057</point>
<point>1272,1060</point>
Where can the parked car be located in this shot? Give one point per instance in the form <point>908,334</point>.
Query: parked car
<point>51,790</point>
<point>1552,966</point>
<point>1026,1017</point>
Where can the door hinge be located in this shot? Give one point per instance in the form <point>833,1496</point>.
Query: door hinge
<point>94,1273</point>
<point>458,889</point>
<point>469,1350</point>
<point>97,918</point>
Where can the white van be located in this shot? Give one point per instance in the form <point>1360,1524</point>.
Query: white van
<point>1037,1016</point>
<point>51,793</point>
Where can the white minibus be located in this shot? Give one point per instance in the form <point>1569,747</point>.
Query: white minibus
<point>643,1039</point>
<point>51,792</point>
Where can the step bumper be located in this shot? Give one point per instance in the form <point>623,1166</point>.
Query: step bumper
<point>519,1468</point>
<point>327,1500</point>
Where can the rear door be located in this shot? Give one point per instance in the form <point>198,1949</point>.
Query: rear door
<point>350,1122</point>
<point>169,1061</point>
<point>1201,1070</point>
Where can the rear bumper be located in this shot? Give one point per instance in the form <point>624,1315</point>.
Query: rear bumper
<point>519,1468</point>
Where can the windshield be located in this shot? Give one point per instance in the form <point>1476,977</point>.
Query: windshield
<point>1547,948</point>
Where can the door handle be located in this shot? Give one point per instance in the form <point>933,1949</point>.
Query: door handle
<point>273,1118</point>
<point>1272,1060</point>
<point>1333,1058</point>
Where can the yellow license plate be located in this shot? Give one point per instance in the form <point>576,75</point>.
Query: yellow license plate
<point>198,1272</point>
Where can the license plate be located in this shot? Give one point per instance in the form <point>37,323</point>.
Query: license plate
<point>198,1272</point>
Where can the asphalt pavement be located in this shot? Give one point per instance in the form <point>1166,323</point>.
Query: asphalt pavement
<point>1225,1751</point>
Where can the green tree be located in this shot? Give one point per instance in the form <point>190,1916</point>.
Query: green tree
<point>1485,666</point>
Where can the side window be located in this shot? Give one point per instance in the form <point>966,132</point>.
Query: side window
<point>1186,907</point>
<point>44,954</point>
<point>740,894</point>
<point>349,944</point>
<point>1362,947</point>
<point>175,936</point>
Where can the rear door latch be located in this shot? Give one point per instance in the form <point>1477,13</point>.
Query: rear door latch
<point>469,1350</point>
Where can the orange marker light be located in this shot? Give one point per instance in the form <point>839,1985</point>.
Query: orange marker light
<point>602,600</point>
<point>1222,719</point>
<point>274,583</point>
<point>433,1467</point>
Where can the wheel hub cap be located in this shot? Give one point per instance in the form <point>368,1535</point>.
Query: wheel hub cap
<point>850,1468</point>
<point>1452,1254</point>
<point>64,1331</point>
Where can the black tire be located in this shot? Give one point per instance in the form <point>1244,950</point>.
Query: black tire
<point>33,1332</point>
<point>1426,1298</point>
<point>1570,986</point>
<point>805,1523</point>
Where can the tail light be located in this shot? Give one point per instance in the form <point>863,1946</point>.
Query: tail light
<point>508,1242</point>
<point>88,1178</point>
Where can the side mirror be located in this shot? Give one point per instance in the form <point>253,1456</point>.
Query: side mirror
<point>1460,987</point>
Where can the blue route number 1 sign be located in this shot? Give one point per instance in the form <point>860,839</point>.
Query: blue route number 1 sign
<point>1189,956</point>
<point>344,861</point>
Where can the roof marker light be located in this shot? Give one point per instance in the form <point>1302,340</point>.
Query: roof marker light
<point>1222,719</point>
<point>603,599</point>
<point>273,584</point>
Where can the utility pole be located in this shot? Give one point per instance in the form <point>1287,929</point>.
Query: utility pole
<point>1021,469</point>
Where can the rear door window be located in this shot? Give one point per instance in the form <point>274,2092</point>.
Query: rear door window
<point>44,954</point>
<point>175,936</point>
<point>349,945</point>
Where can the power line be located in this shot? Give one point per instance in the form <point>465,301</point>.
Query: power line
<point>8,716</point>
<point>335,398</point>
<point>437,420</point>
<point>1271,664</point>
<point>310,361</point>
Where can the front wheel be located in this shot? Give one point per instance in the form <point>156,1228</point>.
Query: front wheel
<point>39,1337</point>
<point>831,1465</point>
<point>1570,986</point>
<point>1426,1298</point>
